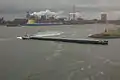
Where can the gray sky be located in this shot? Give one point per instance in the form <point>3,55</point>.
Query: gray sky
<point>28,4</point>
<point>110,6</point>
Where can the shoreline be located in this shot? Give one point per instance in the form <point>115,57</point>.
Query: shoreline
<point>107,34</point>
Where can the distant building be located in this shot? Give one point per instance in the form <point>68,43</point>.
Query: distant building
<point>19,21</point>
<point>28,15</point>
<point>104,17</point>
<point>2,20</point>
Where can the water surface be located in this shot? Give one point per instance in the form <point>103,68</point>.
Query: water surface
<point>49,60</point>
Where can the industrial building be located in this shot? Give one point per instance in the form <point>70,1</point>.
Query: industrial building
<point>104,17</point>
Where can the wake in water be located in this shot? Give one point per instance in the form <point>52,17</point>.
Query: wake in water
<point>57,52</point>
<point>9,39</point>
<point>47,33</point>
<point>5,39</point>
<point>19,37</point>
<point>43,34</point>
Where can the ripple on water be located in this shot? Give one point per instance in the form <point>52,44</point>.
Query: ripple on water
<point>57,52</point>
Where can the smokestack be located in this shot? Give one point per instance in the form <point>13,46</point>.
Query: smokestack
<point>73,12</point>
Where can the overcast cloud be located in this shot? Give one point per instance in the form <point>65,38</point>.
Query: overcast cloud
<point>110,6</point>
<point>35,4</point>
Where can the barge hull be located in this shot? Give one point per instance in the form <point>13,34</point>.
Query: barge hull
<point>81,41</point>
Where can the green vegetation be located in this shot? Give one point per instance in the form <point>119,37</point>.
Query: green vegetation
<point>115,32</point>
